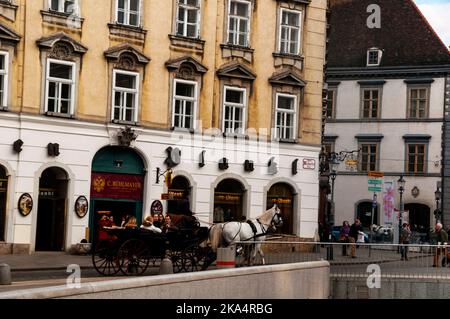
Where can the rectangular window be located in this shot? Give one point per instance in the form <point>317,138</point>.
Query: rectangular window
<point>331,104</point>
<point>188,18</point>
<point>285,118</point>
<point>416,158</point>
<point>374,57</point>
<point>239,23</point>
<point>371,103</point>
<point>184,104</point>
<point>328,148</point>
<point>4,62</point>
<point>129,12</point>
<point>234,109</point>
<point>125,96</point>
<point>60,87</point>
<point>418,102</point>
<point>369,157</point>
<point>64,6</point>
<point>290,30</point>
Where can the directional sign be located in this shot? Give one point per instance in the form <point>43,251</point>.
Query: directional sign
<point>375,189</point>
<point>376,174</point>
<point>375,181</point>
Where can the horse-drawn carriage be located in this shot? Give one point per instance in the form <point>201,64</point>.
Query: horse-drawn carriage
<point>130,251</point>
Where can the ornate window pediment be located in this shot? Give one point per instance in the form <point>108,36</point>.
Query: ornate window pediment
<point>186,67</point>
<point>287,77</point>
<point>6,34</point>
<point>236,70</point>
<point>62,46</point>
<point>126,56</point>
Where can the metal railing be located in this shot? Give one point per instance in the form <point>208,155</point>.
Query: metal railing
<point>353,260</point>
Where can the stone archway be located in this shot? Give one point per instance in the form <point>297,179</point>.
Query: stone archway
<point>52,210</point>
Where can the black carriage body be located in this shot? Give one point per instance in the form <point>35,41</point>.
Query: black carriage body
<point>130,250</point>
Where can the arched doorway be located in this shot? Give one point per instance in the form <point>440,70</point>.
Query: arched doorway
<point>364,214</point>
<point>283,195</point>
<point>229,201</point>
<point>51,215</point>
<point>419,217</point>
<point>180,184</point>
<point>3,199</point>
<point>117,186</point>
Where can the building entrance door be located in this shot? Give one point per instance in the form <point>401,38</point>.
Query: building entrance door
<point>51,216</point>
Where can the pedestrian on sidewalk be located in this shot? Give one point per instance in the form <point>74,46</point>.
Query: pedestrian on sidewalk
<point>353,236</point>
<point>404,239</point>
<point>343,236</point>
<point>441,238</point>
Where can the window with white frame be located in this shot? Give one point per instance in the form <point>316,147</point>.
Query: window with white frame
<point>285,116</point>
<point>188,18</point>
<point>4,62</point>
<point>64,6</point>
<point>129,12</point>
<point>374,57</point>
<point>125,96</point>
<point>184,104</point>
<point>234,109</point>
<point>60,87</point>
<point>290,31</point>
<point>239,22</point>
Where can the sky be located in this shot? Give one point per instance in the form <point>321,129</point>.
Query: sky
<point>437,13</point>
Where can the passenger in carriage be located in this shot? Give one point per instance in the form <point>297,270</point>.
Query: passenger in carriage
<point>103,222</point>
<point>158,220</point>
<point>131,223</point>
<point>168,226</point>
<point>148,225</point>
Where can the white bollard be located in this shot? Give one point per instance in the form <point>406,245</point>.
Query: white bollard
<point>5,274</point>
<point>166,267</point>
<point>226,257</point>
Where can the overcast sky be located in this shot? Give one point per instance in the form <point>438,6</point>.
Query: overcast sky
<point>437,13</point>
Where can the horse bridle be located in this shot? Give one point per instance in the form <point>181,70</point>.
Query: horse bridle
<point>272,222</point>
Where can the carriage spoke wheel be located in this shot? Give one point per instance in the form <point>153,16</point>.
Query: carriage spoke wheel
<point>190,261</point>
<point>133,257</point>
<point>177,261</point>
<point>104,259</point>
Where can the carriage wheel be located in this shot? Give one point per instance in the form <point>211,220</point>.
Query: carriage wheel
<point>133,257</point>
<point>104,258</point>
<point>190,262</point>
<point>203,257</point>
<point>177,261</point>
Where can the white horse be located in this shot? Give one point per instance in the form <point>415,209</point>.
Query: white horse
<point>224,234</point>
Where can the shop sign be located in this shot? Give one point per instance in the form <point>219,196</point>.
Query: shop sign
<point>227,198</point>
<point>287,201</point>
<point>156,208</point>
<point>175,194</point>
<point>117,186</point>
<point>309,163</point>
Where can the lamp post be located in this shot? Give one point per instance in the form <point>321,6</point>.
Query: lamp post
<point>401,189</point>
<point>437,212</point>
<point>334,163</point>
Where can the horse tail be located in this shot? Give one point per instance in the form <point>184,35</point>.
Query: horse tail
<point>215,236</point>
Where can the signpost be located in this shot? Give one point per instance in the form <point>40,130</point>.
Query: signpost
<point>375,185</point>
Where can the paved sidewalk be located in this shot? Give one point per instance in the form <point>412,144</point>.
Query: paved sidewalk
<point>45,261</point>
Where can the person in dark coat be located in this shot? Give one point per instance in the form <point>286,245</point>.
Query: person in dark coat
<point>353,236</point>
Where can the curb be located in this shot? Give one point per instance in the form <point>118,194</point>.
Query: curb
<point>48,269</point>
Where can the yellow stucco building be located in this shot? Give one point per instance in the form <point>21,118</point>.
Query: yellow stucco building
<point>227,93</point>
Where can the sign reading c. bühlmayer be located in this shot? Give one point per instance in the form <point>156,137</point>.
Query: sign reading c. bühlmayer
<point>117,186</point>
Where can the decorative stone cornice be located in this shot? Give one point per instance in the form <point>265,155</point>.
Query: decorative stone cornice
<point>50,41</point>
<point>114,53</point>
<point>7,34</point>
<point>287,77</point>
<point>176,64</point>
<point>236,70</point>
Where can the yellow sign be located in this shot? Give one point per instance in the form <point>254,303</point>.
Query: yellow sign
<point>281,201</point>
<point>376,174</point>
<point>165,196</point>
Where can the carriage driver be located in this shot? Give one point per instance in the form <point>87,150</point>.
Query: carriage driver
<point>148,224</point>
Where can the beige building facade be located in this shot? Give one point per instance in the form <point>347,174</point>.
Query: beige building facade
<point>228,94</point>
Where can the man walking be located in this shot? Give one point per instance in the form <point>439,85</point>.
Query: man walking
<point>441,238</point>
<point>353,236</point>
<point>404,239</point>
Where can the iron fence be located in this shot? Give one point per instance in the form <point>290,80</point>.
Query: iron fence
<point>353,260</point>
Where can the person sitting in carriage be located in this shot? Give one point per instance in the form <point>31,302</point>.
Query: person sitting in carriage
<point>148,225</point>
<point>168,226</point>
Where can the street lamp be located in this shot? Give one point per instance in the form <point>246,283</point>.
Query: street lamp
<point>437,212</point>
<point>334,163</point>
<point>401,189</point>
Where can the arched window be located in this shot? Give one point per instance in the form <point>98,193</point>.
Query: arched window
<point>282,195</point>
<point>229,201</point>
